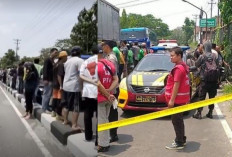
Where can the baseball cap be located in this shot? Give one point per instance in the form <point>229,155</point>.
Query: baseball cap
<point>63,54</point>
<point>76,50</point>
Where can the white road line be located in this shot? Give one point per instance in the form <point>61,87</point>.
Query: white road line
<point>224,123</point>
<point>39,143</point>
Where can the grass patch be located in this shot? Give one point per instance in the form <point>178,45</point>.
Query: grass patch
<point>226,90</point>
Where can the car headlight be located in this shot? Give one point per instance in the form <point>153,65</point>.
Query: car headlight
<point>123,84</point>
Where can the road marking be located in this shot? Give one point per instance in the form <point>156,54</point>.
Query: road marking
<point>39,143</point>
<point>224,123</point>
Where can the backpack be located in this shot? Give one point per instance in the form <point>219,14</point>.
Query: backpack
<point>211,71</point>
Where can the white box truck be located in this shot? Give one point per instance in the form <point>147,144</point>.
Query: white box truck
<point>108,21</point>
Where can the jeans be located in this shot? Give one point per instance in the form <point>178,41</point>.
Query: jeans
<point>20,85</point>
<point>47,93</point>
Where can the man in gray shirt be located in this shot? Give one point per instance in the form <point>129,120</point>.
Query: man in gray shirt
<point>72,87</point>
<point>135,49</point>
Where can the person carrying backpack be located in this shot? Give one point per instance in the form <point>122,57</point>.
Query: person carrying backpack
<point>209,73</point>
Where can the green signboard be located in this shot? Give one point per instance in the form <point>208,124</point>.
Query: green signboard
<point>210,22</point>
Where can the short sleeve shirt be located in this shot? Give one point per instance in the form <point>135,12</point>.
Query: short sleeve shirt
<point>89,70</point>
<point>72,82</point>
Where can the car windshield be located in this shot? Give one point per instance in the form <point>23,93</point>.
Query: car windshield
<point>155,63</point>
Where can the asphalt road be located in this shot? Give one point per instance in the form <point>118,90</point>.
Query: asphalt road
<point>18,141</point>
<point>205,138</point>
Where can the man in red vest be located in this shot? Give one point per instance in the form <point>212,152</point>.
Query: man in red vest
<point>177,93</point>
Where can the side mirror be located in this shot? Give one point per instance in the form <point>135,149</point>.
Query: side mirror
<point>192,68</point>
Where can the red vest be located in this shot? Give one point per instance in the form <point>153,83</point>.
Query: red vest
<point>105,77</point>
<point>183,95</point>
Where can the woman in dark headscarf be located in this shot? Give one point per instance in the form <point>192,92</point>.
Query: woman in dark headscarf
<point>31,80</point>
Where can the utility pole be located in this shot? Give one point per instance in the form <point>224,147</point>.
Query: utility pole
<point>211,3</point>
<point>195,30</point>
<point>17,47</point>
<point>218,21</point>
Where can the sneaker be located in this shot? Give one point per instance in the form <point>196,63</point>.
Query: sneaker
<point>174,142</point>
<point>53,114</point>
<point>103,149</point>
<point>209,115</point>
<point>60,118</point>
<point>175,146</point>
<point>47,112</point>
<point>114,139</point>
<point>197,115</point>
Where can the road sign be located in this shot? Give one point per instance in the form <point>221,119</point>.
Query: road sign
<point>210,22</point>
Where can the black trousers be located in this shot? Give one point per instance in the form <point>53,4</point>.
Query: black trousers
<point>178,124</point>
<point>113,116</point>
<point>90,108</point>
<point>121,66</point>
<point>56,106</point>
<point>28,98</point>
<point>211,89</point>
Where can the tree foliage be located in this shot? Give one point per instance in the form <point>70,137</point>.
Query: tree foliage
<point>226,15</point>
<point>158,28</point>
<point>179,35</point>
<point>188,29</point>
<point>225,7</point>
<point>63,44</point>
<point>9,59</point>
<point>84,33</point>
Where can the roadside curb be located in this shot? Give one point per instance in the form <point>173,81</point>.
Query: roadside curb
<point>74,140</point>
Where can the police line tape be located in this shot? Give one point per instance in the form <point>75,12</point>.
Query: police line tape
<point>163,113</point>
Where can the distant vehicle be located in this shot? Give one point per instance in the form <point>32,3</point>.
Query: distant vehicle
<point>141,35</point>
<point>168,43</point>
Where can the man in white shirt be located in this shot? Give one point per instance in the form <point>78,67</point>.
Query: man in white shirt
<point>89,75</point>
<point>72,87</point>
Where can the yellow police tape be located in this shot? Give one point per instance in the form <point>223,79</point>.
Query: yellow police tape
<point>163,113</point>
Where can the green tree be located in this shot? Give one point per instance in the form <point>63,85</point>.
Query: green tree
<point>158,29</point>
<point>123,19</point>
<point>44,53</point>
<point>27,59</point>
<point>84,33</point>
<point>9,59</point>
<point>226,15</point>
<point>63,44</point>
<point>179,35</point>
<point>188,29</point>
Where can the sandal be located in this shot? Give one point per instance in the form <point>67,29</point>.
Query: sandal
<point>77,129</point>
<point>103,149</point>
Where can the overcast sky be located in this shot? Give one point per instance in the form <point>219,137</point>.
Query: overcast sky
<point>37,23</point>
<point>172,12</point>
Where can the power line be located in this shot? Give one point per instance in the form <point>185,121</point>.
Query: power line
<point>126,2</point>
<point>138,4</point>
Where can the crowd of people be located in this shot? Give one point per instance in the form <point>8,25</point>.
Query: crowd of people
<point>71,82</point>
